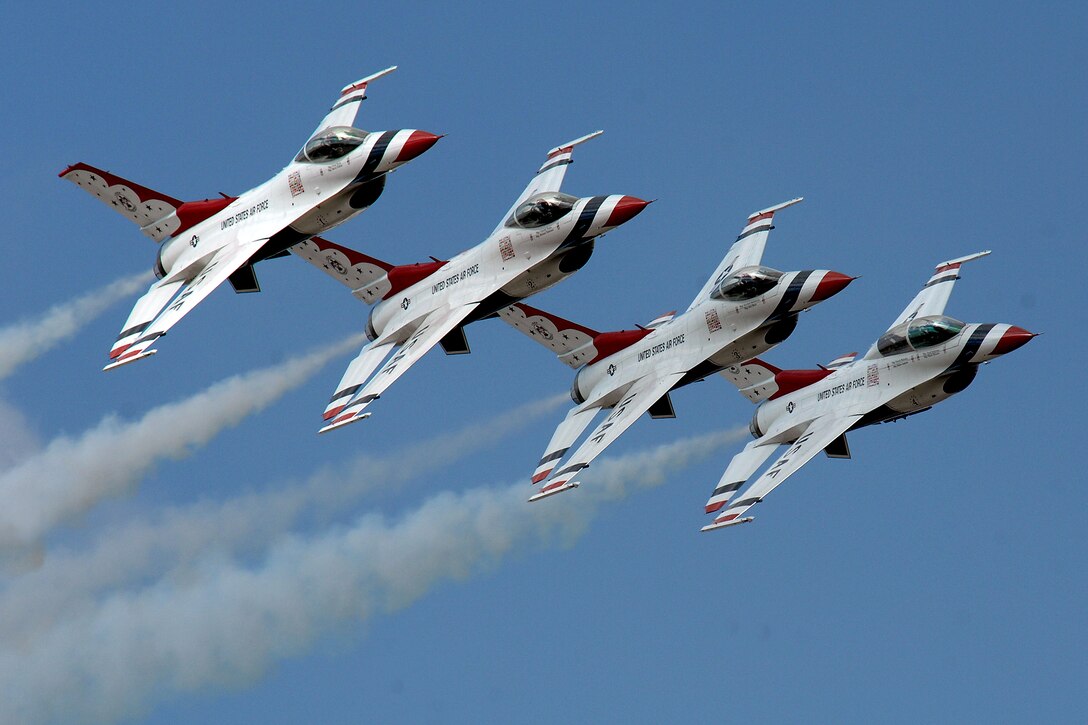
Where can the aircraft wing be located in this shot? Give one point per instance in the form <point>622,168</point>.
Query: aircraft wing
<point>155,212</point>
<point>814,439</point>
<point>354,269</point>
<point>549,177</point>
<point>572,342</point>
<point>140,334</point>
<point>933,297</point>
<point>431,329</point>
<point>345,109</point>
<point>747,250</point>
<point>638,399</point>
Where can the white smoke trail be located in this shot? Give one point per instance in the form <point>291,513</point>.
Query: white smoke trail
<point>67,581</point>
<point>17,441</point>
<point>226,624</point>
<point>25,341</point>
<point>70,475</point>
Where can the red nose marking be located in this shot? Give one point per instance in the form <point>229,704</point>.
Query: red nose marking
<point>626,210</point>
<point>1013,338</point>
<point>830,285</point>
<point>416,144</point>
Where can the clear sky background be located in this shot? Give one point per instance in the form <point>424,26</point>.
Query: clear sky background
<point>214,562</point>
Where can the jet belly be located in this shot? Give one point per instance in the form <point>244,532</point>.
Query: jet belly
<point>733,331</point>
<point>532,254</point>
<point>667,349</point>
<point>462,280</point>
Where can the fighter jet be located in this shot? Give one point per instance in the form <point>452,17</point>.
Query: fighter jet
<point>742,310</point>
<point>923,358</point>
<point>339,172</point>
<point>545,237</point>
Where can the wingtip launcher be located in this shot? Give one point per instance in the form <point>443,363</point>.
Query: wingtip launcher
<point>345,421</point>
<point>552,492</point>
<point>127,360</point>
<point>722,525</point>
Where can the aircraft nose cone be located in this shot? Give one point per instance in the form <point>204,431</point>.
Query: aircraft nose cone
<point>830,285</point>
<point>1013,338</point>
<point>625,210</point>
<point>416,144</point>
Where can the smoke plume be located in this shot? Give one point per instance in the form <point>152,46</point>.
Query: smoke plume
<point>70,475</point>
<point>226,624</point>
<point>27,340</point>
<point>243,526</point>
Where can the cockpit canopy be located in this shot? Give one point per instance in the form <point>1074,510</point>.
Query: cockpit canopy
<point>746,283</point>
<point>918,334</point>
<point>331,144</point>
<point>541,209</point>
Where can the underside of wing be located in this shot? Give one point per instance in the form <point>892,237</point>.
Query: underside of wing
<point>154,212</point>
<point>814,439</point>
<point>638,399</point>
<point>577,420</point>
<point>572,342</point>
<point>355,270</point>
<point>747,250</point>
<point>137,338</point>
<point>431,330</point>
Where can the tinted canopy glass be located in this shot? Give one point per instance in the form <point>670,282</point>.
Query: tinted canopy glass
<point>918,334</point>
<point>746,284</point>
<point>541,209</point>
<point>929,331</point>
<point>331,144</point>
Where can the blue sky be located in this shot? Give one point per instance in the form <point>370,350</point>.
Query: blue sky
<point>251,571</point>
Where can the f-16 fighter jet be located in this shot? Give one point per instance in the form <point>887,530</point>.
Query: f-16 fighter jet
<point>339,172</point>
<point>743,309</point>
<point>545,237</point>
<point>923,358</point>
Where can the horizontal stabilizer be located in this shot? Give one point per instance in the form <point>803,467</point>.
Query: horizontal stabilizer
<point>660,320</point>
<point>754,379</point>
<point>841,360</point>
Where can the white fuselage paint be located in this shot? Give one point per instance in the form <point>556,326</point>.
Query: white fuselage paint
<point>279,203</point>
<point>720,331</point>
<point>907,382</point>
<point>503,262</point>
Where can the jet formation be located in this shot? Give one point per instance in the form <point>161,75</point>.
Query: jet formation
<point>742,311</point>
<point>924,358</point>
<point>544,238</point>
